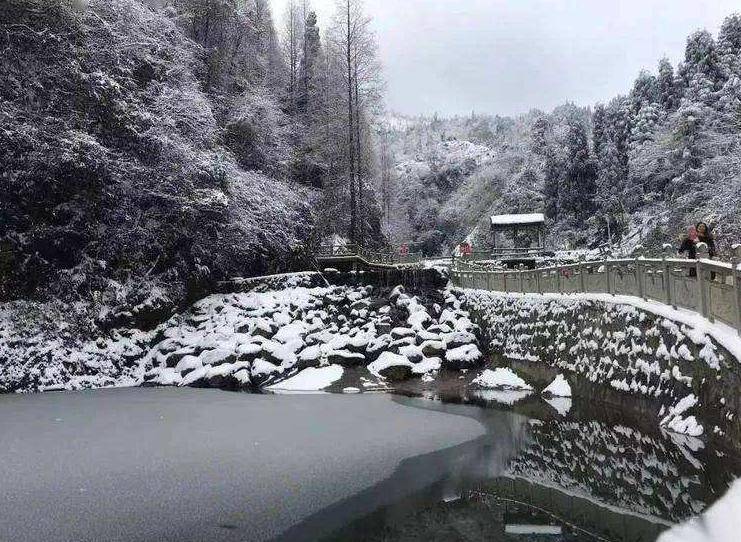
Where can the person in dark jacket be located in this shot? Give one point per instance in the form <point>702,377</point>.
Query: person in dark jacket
<point>704,235</point>
<point>689,245</point>
<point>700,233</point>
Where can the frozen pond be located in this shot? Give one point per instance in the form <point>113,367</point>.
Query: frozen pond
<point>183,464</point>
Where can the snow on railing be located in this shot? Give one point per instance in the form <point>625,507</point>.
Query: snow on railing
<point>708,287</point>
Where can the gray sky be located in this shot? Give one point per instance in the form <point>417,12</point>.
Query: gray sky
<point>509,56</point>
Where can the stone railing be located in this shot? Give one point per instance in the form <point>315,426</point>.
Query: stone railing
<point>710,288</point>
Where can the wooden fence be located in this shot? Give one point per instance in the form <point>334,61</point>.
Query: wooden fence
<point>708,287</point>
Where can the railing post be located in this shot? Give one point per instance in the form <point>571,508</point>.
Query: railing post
<point>736,285</point>
<point>608,276</point>
<point>504,278</point>
<point>522,277</point>
<point>538,285</point>
<point>639,271</point>
<point>559,272</point>
<point>668,250</point>
<point>488,279</point>
<point>702,253</point>
<point>582,281</point>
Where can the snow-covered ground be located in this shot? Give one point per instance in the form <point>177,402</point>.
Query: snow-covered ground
<point>719,524</point>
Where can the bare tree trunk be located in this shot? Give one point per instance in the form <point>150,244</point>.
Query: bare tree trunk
<point>359,165</point>
<point>305,74</point>
<point>385,164</point>
<point>351,128</point>
<point>292,55</point>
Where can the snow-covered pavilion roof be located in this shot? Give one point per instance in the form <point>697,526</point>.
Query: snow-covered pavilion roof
<point>532,219</point>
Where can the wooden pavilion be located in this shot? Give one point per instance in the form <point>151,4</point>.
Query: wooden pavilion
<point>527,233</point>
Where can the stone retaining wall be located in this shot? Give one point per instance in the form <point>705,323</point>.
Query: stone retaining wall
<point>630,352</point>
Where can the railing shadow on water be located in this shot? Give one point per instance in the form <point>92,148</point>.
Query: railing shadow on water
<point>709,287</point>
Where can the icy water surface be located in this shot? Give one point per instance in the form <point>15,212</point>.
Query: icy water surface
<point>189,465</point>
<point>549,471</point>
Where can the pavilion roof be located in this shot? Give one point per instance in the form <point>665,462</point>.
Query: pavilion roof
<point>531,219</point>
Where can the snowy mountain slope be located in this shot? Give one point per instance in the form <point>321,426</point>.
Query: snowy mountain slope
<point>649,164</point>
<point>133,152</point>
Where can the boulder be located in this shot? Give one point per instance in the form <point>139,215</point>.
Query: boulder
<point>405,341</point>
<point>264,328</point>
<point>392,366</point>
<point>345,358</point>
<point>397,373</point>
<point>399,332</point>
<point>433,349</point>
<point>463,357</point>
<point>412,352</point>
<point>174,358</point>
<point>383,328</point>
<point>458,339</point>
<point>377,346</point>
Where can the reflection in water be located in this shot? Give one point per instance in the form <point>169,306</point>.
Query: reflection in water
<point>617,466</point>
<point>545,479</point>
<point>503,397</point>
<point>562,405</point>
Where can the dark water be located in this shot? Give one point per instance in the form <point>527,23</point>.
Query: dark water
<point>539,475</point>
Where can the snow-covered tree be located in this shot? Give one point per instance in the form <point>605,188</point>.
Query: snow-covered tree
<point>309,95</point>
<point>667,88</point>
<point>576,197</point>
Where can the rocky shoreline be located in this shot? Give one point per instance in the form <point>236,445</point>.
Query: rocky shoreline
<point>299,333</point>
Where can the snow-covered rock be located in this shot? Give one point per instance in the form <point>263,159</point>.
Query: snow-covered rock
<point>501,378</point>
<point>311,379</point>
<point>391,366</point>
<point>676,421</point>
<point>558,388</point>
<point>464,356</point>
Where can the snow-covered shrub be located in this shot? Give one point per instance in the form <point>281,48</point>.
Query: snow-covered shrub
<point>112,152</point>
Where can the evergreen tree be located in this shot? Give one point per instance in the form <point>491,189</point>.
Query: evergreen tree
<point>644,124</point>
<point>729,53</point>
<point>309,94</point>
<point>553,173</point>
<point>599,132</point>
<point>645,91</point>
<point>539,134</point>
<point>579,183</point>
<point>729,46</point>
<point>701,72</point>
<point>667,87</point>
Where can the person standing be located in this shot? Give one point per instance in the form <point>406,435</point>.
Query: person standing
<point>704,235</point>
<point>689,245</point>
<point>700,233</point>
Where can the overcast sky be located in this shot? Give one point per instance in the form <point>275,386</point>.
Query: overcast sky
<point>509,56</point>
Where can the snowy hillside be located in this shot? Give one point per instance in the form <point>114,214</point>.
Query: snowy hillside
<point>150,143</point>
<point>650,163</point>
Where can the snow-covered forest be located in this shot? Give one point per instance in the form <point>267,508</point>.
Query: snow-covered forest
<point>651,162</point>
<point>173,143</point>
